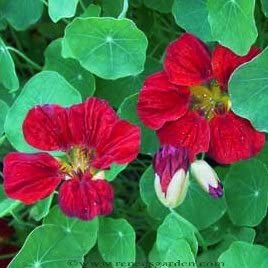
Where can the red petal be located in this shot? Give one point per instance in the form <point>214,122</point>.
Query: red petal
<point>91,121</point>
<point>121,146</point>
<point>190,131</point>
<point>86,199</point>
<point>160,101</point>
<point>30,177</point>
<point>46,128</point>
<point>224,62</point>
<point>233,139</point>
<point>188,61</point>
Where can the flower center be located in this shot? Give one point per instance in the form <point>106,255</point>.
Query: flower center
<point>209,100</point>
<point>77,162</point>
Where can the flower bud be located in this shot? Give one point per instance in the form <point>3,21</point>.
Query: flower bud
<point>171,175</point>
<point>207,178</point>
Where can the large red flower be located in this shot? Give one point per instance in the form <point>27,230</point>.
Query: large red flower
<point>92,136</point>
<point>188,103</point>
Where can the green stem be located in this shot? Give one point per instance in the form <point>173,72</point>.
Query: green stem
<point>35,65</point>
<point>124,10</point>
<point>45,2</point>
<point>82,5</point>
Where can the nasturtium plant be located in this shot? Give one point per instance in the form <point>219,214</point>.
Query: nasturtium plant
<point>133,133</point>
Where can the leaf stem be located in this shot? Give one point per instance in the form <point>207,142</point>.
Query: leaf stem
<point>7,256</point>
<point>124,10</point>
<point>82,5</point>
<point>22,55</point>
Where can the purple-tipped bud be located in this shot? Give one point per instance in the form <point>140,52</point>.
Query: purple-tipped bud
<point>171,166</point>
<point>207,178</point>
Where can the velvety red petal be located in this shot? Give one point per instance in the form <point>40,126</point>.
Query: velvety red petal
<point>121,146</point>
<point>46,128</point>
<point>86,199</point>
<point>190,131</point>
<point>91,121</point>
<point>224,62</point>
<point>188,61</point>
<point>233,138</point>
<point>30,177</point>
<point>160,101</point>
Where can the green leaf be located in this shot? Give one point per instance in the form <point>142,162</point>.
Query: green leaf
<point>200,208</point>
<point>91,11</point>
<point>114,170</point>
<point>49,246</point>
<point>111,8</point>
<point>175,228</point>
<point>224,227</point>
<point>264,5</point>
<point>244,255</point>
<point>8,76</point>
<point>41,208</point>
<point>179,252</point>
<point>107,47</point>
<point>84,233</point>
<point>43,88</point>
<point>163,6</point>
<point>192,16</point>
<point>3,112</point>
<point>232,23</point>
<point>148,195</point>
<point>61,9</point>
<point>6,204</point>
<point>127,110</point>
<point>246,187</point>
<point>70,69</point>
<point>248,91</point>
<point>116,241</point>
<point>115,91</point>
<point>22,13</point>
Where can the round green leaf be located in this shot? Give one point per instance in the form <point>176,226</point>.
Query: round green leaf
<point>200,208</point>
<point>163,6</point>
<point>45,87</point>
<point>192,15</point>
<point>248,91</point>
<point>49,246</point>
<point>173,229</point>
<point>246,187</point>
<point>22,13</point>
<point>232,23</point>
<point>115,91</point>
<point>70,69</point>
<point>116,241</point>
<point>179,252</point>
<point>127,110</point>
<point>8,76</point>
<point>3,112</point>
<point>61,9</point>
<point>107,47</point>
<point>84,233</point>
<point>244,255</point>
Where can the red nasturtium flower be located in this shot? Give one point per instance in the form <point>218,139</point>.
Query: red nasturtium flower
<point>188,103</point>
<point>92,136</point>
